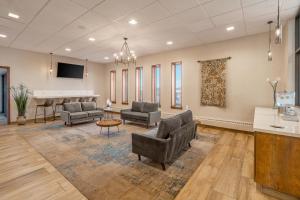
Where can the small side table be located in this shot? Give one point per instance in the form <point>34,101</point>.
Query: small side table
<point>108,113</point>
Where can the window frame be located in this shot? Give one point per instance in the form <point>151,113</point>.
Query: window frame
<point>139,69</point>
<point>297,60</point>
<point>110,86</point>
<point>173,106</point>
<point>124,102</point>
<point>153,83</point>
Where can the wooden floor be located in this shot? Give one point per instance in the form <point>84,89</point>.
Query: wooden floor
<point>227,171</point>
<point>225,174</point>
<point>25,174</point>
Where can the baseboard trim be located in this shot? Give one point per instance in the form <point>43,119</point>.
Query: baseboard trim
<point>222,123</point>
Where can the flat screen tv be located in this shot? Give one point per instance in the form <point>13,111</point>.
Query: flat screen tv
<point>65,70</point>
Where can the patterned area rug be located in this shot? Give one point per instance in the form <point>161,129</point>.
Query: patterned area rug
<point>103,167</point>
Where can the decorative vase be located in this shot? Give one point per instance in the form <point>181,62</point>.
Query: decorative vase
<point>21,120</point>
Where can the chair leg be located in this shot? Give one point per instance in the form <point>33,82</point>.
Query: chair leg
<point>53,112</point>
<point>35,114</point>
<point>190,144</point>
<point>139,156</point>
<point>163,166</point>
<point>147,125</point>
<point>44,114</point>
<point>124,121</point>
<point>155,123</point>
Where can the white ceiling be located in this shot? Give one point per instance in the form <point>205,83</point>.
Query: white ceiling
<point>53,25</point>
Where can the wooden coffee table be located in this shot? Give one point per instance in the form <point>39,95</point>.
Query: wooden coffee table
<point>108,123</point>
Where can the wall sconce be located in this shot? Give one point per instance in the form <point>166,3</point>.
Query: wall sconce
<point>86,68</point>
<point>51,67</point>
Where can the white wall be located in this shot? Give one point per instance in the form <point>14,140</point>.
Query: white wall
<point>32,69</point>
<point>245,77</point>
<point>289,55</point>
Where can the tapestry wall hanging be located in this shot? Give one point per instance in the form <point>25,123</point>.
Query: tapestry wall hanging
<point>213,90</point>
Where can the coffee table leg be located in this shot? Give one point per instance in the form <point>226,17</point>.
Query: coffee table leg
<point>118,129</point>
<point>100,130</point>
<point>108,132</point>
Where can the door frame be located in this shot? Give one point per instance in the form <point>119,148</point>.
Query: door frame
<point>8,92</point>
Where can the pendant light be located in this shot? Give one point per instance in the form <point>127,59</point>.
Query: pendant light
<point>86,68</point>
<point>51,67</point>
<point>278,29</point>
<point>269,51</point>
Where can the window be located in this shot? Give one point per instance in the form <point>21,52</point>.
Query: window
<point>156,84</point>
<point>176,85</point>
<point>113,86</point>
<point>139,84</point>
<point>125,86</point>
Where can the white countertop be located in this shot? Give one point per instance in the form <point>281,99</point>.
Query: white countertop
<point>264,118</point>
<point>62,96</point>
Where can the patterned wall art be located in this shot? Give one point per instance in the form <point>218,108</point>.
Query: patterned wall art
<point>213,90</point>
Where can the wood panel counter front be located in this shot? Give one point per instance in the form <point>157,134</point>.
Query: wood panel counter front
<point>277,152</point>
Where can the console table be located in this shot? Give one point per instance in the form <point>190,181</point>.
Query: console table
<point>276,153</point>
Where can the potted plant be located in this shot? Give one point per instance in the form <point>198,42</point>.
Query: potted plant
<point>21,95</point>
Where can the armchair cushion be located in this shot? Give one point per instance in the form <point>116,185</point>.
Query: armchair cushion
<point>137,106</point>
<point>186,117</point>
<point>166,126</point>
<point>72,107</point>
<point>87,106</point>
<point>135,115</point>
<point>78,115</point>
<point>150,107</point>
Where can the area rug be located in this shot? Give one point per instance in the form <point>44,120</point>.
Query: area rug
<point>103,167</point>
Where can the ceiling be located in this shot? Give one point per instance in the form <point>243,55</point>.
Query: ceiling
<point>53,25</point>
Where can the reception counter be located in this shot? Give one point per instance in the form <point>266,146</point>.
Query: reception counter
<point>276,152</point>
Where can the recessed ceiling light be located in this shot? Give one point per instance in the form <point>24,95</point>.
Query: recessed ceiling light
<point>13,15</point>
<point>132,21</point>
<point>67,49</point>
<point>169,42</point>
<point>230,28</point>
<point>92,39</point>
<point>3,36</point>
<point>106,58</point>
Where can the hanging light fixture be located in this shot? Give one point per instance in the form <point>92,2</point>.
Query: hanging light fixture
<point>51,67</point>
<point>86,68</point>
<point>125,56</point>
<point>278,28</point>
<point>269,51</point>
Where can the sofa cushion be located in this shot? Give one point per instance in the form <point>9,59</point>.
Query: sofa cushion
<point>166,126</point>
<point>72,107</point>
<point>135,115</point>
<point>78,115</point>
<point>87,106</point>
<point>152,133</point>
<point>93,113</point>
<point>186,117</point>
<point>150,107</point>
<point>137,106</point>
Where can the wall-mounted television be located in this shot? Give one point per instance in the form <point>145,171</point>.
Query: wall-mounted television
<point>65,70</point>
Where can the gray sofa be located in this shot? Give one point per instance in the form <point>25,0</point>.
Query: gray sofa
<point>142,112</point>
<point>166,143</point>
<point>78,112</point>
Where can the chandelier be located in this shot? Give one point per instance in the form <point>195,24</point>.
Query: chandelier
<point>125,56</point>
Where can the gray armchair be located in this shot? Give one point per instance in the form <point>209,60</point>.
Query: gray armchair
<point>142,112</point>
<point>165,144</point>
